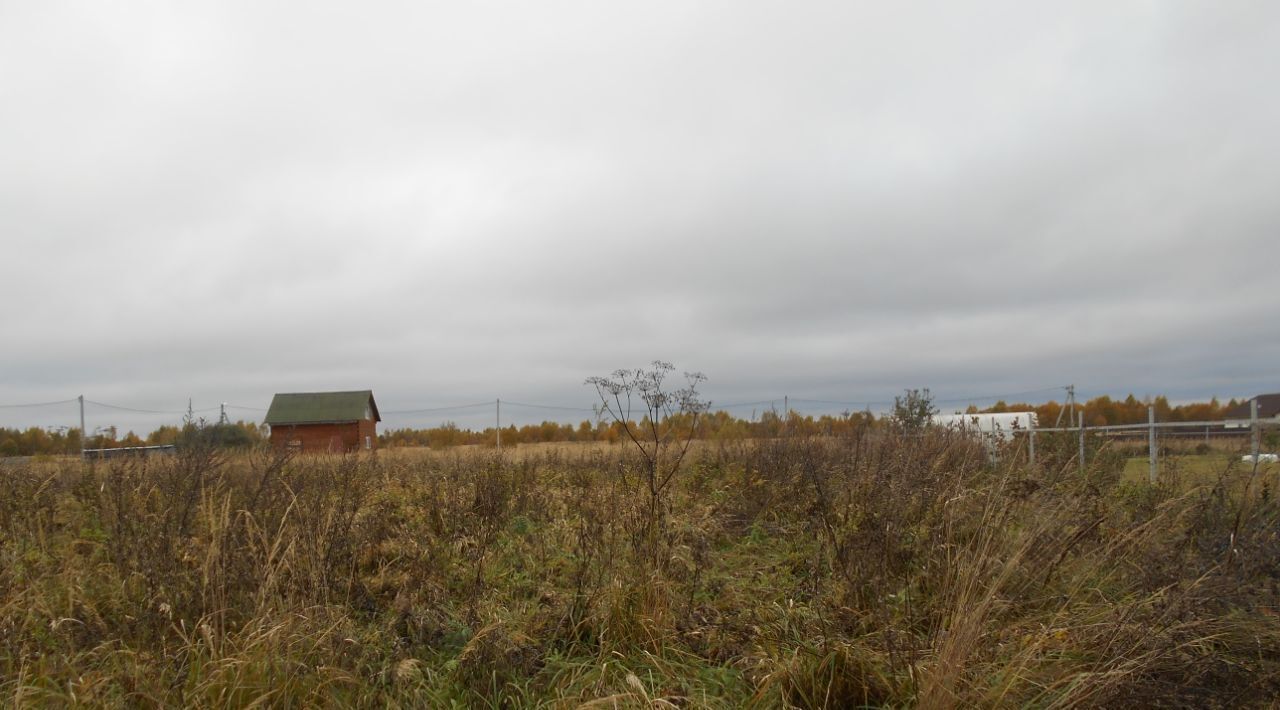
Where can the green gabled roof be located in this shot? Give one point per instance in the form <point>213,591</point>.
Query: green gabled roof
<point>321,407</point>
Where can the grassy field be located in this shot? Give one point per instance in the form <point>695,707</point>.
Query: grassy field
<point>1196,469</point>
<point>872,570</point>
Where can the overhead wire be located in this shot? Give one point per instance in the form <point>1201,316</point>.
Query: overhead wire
<point>139,410</point>
<point>971,398</point>
<point>841,403</point>
<point>438,409</point>
<point>476,405</point>
<point>37,404</point>
<point>134,409</point>
<point>549,406</point>
<point>1000,396</point>
<point>735,405</point>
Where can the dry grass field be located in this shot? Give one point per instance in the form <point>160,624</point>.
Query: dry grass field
<point>875,569</point>
<point>519,452</point>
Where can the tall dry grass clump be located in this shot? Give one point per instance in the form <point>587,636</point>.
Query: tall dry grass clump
<point>882,568</point>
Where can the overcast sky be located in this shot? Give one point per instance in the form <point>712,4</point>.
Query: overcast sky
<point>453,202</point>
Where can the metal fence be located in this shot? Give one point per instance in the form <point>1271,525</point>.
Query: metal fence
<point>130,452</point>
<point>1232,427</point>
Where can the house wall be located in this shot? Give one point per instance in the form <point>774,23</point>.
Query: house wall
<point>367,430</point>
<point>324,438</point>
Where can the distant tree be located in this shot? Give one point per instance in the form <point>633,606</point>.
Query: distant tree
<point>165,435</point>
<point>201,435</point>
<point>914,409</point>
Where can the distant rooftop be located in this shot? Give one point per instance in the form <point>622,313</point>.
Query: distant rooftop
<point>1268,407</point>
<point>322,407</point>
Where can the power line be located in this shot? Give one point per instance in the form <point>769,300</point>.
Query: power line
<point>36,404</point>
<point>121,407</point>
<point>999,396</point>
<point>477,405</point>
<point>438,409</point>
<point>970,398</point>
<point>743,404</point>
<point>134,409</point>
<point>844,404</point>
<point>548,406</point>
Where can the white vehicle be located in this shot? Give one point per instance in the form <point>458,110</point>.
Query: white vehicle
<point>1001,425</point>
<point>1262,458</point>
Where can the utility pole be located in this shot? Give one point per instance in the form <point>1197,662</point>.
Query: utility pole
<point>1031,440</point>
<point>1081,420</point>
<point>1071,406</point>
<point>1151,442</point>
<point>84,436</point>
<point>498,421</point>
<point>222,418</point>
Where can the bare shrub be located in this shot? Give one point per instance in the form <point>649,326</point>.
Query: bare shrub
<point>661,422</point>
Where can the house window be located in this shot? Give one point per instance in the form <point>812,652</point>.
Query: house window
<point>368,443</point>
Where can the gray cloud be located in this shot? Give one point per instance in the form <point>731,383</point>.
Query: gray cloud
<point>450,204</point>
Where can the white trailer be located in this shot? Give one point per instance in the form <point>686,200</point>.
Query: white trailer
<point>1001,425</point>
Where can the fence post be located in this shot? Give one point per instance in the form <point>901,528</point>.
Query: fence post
<point>1031,441</point>
<point>84,435</point>
<point>1151,441</point>
<point>1257,432</point>
<point>1081,422</point>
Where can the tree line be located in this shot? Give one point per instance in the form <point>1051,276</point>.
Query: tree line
<point>35,441</point>
<point>712,425</point>
<point>1105,411</point>
<point>719,425</point>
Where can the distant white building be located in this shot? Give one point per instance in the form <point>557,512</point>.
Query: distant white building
<point>1001,425</point>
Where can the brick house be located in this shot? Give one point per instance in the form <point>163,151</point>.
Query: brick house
<point>333,422</point>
